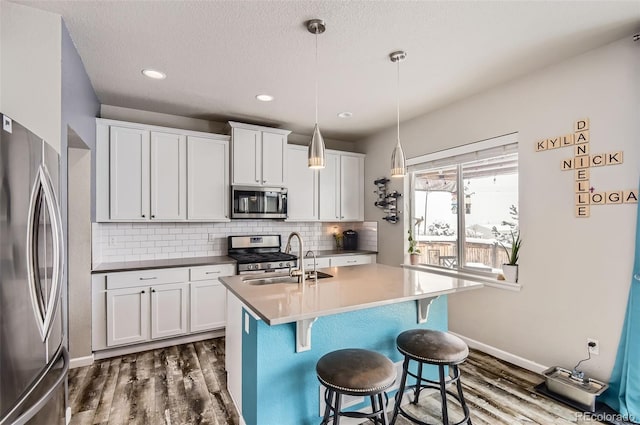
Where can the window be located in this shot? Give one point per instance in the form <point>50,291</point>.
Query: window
<point>464,204</point>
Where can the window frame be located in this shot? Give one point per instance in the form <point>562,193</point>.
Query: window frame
<point>484,149</point>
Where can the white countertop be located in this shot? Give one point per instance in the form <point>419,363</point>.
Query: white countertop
<point>351,288</point>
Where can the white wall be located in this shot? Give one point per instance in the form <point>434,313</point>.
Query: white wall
<point>31,73</point>
<point>576,272</point>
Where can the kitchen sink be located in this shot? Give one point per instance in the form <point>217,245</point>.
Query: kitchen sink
<point>271,278</point>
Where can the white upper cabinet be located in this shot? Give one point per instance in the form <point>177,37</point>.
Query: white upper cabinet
<point>247,156</point>
<point>302,186</point>
<point>168,176</point>
<point>258,155</point>
<point>274,158</point>
<point>351,188</point>
<point>143,173</point>
<point>128,167</point>
<point>342,187</point>
<point>208,179</point>
<point>330,188</point>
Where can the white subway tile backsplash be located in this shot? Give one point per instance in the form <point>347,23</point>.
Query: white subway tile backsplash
<point>115,242</point>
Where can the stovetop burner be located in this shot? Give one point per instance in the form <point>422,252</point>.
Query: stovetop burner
<point>259,253</point>
<point>244,258</point>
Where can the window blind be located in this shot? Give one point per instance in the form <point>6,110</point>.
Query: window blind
<point>496,146</point>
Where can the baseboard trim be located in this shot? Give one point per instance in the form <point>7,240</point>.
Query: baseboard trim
<point>81,361</point>
<point>163,343</point>
<point>503,355</point>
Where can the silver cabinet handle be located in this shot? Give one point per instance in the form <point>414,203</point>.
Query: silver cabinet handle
<point>147,278</point>
<point>351,261</point>
<point>212,272</point>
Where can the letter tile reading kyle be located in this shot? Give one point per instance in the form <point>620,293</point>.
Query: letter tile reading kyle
<point>582,160</point>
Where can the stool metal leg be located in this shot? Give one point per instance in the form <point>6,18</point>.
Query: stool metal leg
<point>328,402</point>
<point>463,403</point>
<point>383,410</point>
<point>418,384</point>
<point>403,382</point>
<point>443,394</point>
<point>336,412</point>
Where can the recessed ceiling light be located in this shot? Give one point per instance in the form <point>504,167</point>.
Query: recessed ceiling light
<point>264,97</point>
<point>345,114</point>
<point>152,73</point>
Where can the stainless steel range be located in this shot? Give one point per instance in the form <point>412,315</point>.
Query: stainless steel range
<point>261,253</point>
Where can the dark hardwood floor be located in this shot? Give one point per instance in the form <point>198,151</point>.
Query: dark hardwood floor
<point>186,385</point>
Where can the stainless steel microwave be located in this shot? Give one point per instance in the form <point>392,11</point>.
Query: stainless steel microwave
<point>258,202</point>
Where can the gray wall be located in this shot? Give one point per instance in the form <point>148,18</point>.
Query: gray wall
<point>575,272</point>
<point>80,107</point>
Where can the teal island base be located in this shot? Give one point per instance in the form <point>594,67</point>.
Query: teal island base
<point>279,385</point>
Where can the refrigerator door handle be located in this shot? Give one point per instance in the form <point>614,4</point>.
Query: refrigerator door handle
<point>49,392</point>
<point>44,316</point>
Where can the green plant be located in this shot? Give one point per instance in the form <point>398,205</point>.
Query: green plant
<point>513,252</point>
<point>413,244</point>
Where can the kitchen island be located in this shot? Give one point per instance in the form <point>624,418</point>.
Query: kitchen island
<point>276,332</point>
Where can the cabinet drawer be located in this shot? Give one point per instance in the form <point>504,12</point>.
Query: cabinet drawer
<point>351,260</point>
<point>212,272</point>
<point>320,263</point>
<point>146,277</point>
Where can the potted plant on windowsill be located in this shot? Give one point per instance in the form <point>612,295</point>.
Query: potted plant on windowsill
<point>414,252</point>
<point>510,269</point>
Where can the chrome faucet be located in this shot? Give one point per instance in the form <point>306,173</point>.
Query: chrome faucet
<point>300,272</point>
<point>315,272</point>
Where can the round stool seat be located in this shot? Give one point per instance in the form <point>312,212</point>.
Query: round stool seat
<point>432,346</point>
<point>356,371</point>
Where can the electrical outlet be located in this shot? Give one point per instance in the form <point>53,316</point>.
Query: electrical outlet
<point>212,237</point>
<point>113,241</point>
<point>593,349</point>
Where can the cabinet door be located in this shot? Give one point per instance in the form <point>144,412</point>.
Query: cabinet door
<point>351,260</point>
<point>127,316</point>
<point>273,158</point>
<point>169,305</point>
<point>351,188</point>
<point>330,188</point>
<point>247,157</point>
<point>128,174</point>
<point>208,305</point>
<point>168,176</point>
<point>208,179</point>
<point>302,186</point>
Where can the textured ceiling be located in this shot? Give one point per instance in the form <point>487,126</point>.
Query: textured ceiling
<point>219,54</point>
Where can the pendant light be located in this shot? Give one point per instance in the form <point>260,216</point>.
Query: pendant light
<point>316,145</point>
<point>398,165</point>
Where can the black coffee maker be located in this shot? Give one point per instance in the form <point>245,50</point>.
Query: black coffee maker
<point>350,240</point>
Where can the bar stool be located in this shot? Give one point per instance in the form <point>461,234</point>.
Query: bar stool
<point>434,348</point>
<point>355,372</point>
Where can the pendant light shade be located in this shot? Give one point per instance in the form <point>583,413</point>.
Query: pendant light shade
<point>316,149</point>
<point>398,161</point>
<point>315,153</point>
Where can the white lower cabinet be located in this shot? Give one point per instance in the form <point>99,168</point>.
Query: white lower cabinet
<point>352,260</point>
<point>208,306</point>
<point>147,305</point>
<point>127,316</point>
<point>169,304</point>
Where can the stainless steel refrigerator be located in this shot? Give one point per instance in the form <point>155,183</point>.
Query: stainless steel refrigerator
<point>33,357</point>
